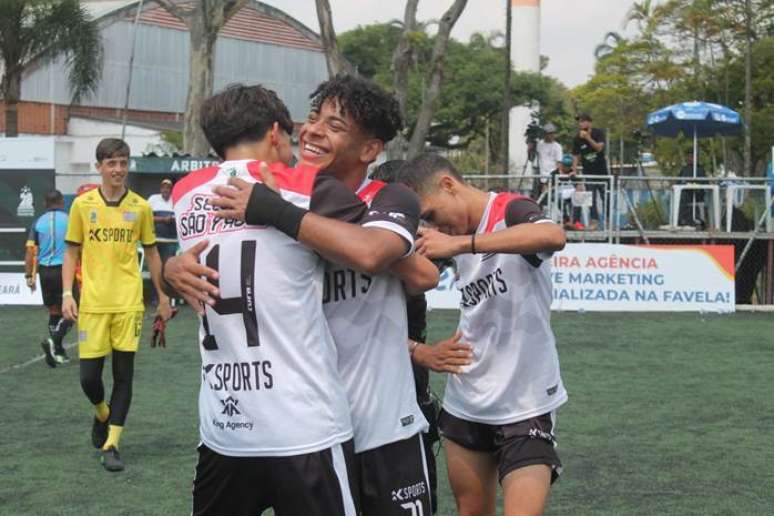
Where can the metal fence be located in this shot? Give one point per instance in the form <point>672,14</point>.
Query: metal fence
<point>608,205</point>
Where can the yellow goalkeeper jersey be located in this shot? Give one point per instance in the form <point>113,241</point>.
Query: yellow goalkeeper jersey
<point>108,233</point>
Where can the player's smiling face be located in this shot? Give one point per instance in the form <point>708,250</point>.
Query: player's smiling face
<point>332,140</point>
<point>113,170</point>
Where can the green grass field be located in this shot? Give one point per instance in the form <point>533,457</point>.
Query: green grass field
<point>668,414</point>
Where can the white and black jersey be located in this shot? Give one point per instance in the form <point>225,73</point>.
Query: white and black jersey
<point>505,316</point>
<point>367,316</point>
<point>270,382</point>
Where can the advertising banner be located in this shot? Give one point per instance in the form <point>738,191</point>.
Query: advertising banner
<point>630,278</point>
<point>14,290</point>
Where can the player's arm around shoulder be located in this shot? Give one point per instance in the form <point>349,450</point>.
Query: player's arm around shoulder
<point>384,235</point>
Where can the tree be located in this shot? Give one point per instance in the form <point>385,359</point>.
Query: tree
<point>32,32</point>
<point>333,58</point>
<point>608,45</point>
<point>434,78</point>
<point>403,56</point>
<point>468,117</point>
<point>204,19</point>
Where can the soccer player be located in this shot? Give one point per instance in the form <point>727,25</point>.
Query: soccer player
<point>350,122</point>
<point>274,416</point>
<point>105,226</point>
<point>498,414</point>
<point>47,236</point>
<point>446,356</point>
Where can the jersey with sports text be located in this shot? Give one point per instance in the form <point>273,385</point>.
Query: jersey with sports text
<point>505,315</point>
<point>108,233</point>
<point>270,384</point>
<point>367,316</point>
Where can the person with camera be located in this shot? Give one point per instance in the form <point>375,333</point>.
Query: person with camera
<point>588,149</point>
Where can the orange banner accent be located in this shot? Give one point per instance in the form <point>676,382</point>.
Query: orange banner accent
<point>525,3</point>
<point>722,255</point>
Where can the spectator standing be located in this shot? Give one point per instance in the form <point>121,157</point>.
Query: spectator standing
<point>47,236</point>
<point>164,220</point>
<point>588,149</point>
<point>549,156</point>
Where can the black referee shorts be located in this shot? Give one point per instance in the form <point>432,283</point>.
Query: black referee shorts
<point>314,484</point>
<point>51,284</point>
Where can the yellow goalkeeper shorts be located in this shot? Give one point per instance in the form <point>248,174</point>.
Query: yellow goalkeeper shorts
<point>99,334</point>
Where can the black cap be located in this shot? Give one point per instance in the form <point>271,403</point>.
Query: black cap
<point>584,117</point>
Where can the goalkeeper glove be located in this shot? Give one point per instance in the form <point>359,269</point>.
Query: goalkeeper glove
<point>159,327</point>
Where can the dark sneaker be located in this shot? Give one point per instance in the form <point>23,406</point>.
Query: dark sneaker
<point>111,460</point>
<point>60,355</point>
<point>48,352</point>
<point>99,432</point>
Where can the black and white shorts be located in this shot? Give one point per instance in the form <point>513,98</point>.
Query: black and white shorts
<point>515,445</point>
<point>394,479</point>
<point>51,284</point>
<point>315,484</point>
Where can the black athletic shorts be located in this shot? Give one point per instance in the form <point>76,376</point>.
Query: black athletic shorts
<point>515,445</point>
<point>51,284</point>
<point>394,479</point>
<point>315,484</point>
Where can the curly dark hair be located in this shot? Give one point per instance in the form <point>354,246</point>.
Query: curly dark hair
<point>240,114</point>
<point>373,109</point>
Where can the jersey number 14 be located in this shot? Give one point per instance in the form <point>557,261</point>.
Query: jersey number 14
<point>243,304</point>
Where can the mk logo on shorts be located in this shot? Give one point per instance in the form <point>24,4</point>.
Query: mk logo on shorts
<point>409,492</point>
<point>537,433</point>
<point>230,406</point>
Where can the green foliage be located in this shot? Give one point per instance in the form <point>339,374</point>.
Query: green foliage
<point>651,214</point>
<point>684,50</point>
<point>35,30</point>
<point>173,138</point>
<point>471,101</point>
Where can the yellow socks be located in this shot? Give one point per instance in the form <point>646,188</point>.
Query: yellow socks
<point>103,411</point>
<point>114,435</point>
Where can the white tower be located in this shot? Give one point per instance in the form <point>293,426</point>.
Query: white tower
<point>525,57</point>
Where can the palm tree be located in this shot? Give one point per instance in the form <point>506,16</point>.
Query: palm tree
<point>610,42</point>
<point>641,13</point>
<point>33,31</point>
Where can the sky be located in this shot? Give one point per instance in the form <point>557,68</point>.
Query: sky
<point>570,29</point>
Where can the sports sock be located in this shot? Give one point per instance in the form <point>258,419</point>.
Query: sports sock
<point>102,410</point>
<point>53,323</point>
<point>114,435</point>
<point>121,397</point>
<point>60,330</point>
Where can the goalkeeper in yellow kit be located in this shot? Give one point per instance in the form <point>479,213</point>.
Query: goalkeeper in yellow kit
<point>104,228</point>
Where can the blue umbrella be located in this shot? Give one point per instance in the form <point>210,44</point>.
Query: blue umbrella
<point>697,119</point>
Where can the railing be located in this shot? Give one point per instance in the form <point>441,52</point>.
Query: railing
<point>605,206</point>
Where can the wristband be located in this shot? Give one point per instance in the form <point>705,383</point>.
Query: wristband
<point>67,293</point>
<point>412,345</point>
<point>267,208</point>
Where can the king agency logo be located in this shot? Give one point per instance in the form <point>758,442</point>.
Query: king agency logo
<point>230,406</point>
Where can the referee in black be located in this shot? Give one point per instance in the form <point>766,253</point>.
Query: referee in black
<point>45,250</point>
